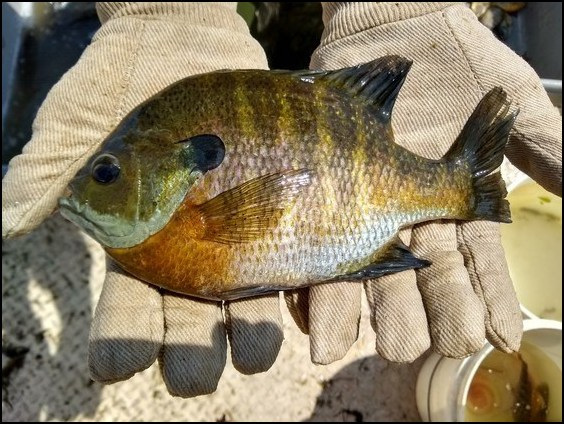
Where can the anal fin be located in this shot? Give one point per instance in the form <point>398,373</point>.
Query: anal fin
<point>243,292</point>
<point>395,258</point>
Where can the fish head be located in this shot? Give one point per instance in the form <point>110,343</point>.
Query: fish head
<point>130,188</point>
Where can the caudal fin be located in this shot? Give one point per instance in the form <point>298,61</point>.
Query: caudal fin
<point>481,145</point>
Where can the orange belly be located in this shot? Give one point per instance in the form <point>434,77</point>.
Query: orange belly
<point>176,258</point>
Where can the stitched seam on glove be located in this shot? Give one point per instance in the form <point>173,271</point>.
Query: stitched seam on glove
<point>324,44</point>
<point>482,89</point>
<point>226,314</point>
<point>160,355</point>
<point>128,76</point>
<point>211,15</point>
<point>464,55</point>
<point>537,144</point>
<point>165,327</point>
<point>162,20</point>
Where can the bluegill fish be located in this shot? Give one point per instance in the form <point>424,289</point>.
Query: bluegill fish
<point>236,183</point>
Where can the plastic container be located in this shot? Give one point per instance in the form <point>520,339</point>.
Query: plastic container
<point>533,247</point>
<point>443,383</point>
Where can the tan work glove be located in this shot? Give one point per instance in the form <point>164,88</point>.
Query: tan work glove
<point>140,49</point>
<point>466,295</point>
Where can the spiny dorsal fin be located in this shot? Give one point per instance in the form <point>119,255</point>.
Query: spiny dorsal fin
<point>395,258</point>
<point>378,82</point>
<point>250,210</point>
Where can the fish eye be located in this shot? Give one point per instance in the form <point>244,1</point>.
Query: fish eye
<point>105,169</point>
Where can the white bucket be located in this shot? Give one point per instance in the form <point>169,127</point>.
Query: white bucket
<point>443,383</point>
<point>533,248</point>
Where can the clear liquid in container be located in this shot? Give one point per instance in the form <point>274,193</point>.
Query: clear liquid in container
<point>524,386</point>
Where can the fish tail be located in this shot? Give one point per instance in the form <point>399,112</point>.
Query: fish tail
<point>481,145</point>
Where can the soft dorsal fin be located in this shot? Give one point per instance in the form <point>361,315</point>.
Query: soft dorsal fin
<point>248,211</point>
<point>378,82</point>
<point>395,258</point>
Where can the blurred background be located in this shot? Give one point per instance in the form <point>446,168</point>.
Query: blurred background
<point>51,279</point>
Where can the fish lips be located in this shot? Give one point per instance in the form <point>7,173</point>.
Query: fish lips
<point>98,226</point>
<point>70,208</point>
<point>74,212</point>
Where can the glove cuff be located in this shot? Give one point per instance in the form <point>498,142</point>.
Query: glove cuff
<point>213,14</point>
<point>342,19</point>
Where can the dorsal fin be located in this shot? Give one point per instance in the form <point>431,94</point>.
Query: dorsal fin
<point>378,82</point>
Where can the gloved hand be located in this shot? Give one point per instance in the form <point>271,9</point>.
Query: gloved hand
<point>140,49</point>
<point>466,295</point>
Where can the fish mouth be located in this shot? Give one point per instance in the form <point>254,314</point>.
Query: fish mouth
<point>69,203</point>
<point>74,211</point>
<point>98,226</point>
<point>70,208</point>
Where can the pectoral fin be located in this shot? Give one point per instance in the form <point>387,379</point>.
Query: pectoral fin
<point>397,257</point>
<point>247,212</point>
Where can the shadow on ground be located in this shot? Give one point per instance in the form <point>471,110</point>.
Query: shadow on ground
<point>352,393</point>
<point>46,313</point>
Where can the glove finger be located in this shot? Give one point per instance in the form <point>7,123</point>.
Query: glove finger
<point>455,314</point>
<point>480,244</point>
<point>128,327</point>
<point>334,315</point>
<point>297,302</point>
<point>397,315</point>
<point>254,328</point>
<point>195,347</point>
